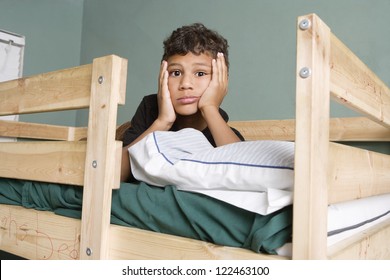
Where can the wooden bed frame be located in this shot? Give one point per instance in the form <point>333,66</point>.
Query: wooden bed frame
<point>325,172</point>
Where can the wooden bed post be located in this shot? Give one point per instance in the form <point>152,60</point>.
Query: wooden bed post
<point>312,139</point>
<point>103,155</point>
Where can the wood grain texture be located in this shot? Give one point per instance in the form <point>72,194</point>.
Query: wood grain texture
<point>356,86</point>
<point>341,129</point>
<point>102,160</point>
<point>42,93</point>
<point>311,142</point>
<point>356,173</point>
<point>38,235</point>
<point>46,161</point>
<point>41,131</point>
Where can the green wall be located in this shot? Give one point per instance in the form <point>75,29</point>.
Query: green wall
<point>262,38</point>
<point>261,33</point>
<point>53,40</point>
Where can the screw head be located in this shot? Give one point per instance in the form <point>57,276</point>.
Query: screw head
<point>304,24</point>
<point>305,72</point>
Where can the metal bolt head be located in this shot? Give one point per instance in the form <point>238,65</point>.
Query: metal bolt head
<point>94,164</point>
<point>305,72</point>
<point>304,24</point>
<point>88,252</point>
<point>100,79</point>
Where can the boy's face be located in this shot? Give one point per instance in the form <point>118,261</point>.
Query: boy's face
<point>189,76</point>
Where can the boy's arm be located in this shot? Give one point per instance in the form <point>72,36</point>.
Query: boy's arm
<point>164,121</point>
<point>212,99</point>
<point>125,166</point>
<point>221,131</point>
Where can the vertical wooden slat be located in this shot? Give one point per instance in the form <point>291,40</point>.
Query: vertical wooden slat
<point>101,161</point>
<point>312,136</point>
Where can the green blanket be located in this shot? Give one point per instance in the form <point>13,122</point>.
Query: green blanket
<point>165,210</point>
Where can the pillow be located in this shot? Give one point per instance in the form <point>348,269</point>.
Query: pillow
<point>254,175</point>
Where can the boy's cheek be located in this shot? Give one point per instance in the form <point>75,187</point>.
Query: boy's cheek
<point>171,84</point>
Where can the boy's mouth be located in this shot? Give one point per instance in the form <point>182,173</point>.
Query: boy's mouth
<point>188,99</point>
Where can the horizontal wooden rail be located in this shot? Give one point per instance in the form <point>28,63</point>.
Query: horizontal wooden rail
<point>353,84</point>
<point>39,235</point>
<point>355,173</point>
<point>54,91</point>
<point>142,245</point>
<point>46,161</point>
<point>357,129</point>
<point>41,131</point>
<point>367,245</point>
<point>341,129</point>
<point>266,129</point>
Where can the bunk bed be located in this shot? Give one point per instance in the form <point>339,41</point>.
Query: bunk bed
<point>87,160</point>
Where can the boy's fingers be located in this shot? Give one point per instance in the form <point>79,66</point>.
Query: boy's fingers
<point>163,77</point>
<point>222,71</point>
<point>163,68</point>
<point>165,82</point>
<point>222,67</point>
<point>214,65</point>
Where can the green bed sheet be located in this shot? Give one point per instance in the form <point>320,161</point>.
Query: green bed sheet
<point>165,210</point>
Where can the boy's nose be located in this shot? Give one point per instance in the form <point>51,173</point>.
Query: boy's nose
<point>186,82</point>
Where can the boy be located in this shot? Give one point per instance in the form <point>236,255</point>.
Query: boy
<point>193,82</point>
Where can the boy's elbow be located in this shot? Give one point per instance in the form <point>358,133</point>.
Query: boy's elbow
<point>124,178</point>
<point>125,165</point>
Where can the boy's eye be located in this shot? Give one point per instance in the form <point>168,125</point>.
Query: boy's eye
<point>174,73</point>
<point>200,74</point>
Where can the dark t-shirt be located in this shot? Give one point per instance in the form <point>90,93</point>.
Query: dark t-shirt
<point>147,113</point>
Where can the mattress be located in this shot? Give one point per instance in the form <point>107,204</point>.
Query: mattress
<point>165,210</point>
<point>351,217</point>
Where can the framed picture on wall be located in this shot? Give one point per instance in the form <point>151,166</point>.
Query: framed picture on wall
<point>11,64</point>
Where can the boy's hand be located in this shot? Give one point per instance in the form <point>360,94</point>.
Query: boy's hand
<point>217,89</point>
<point>211,100</point>
<point>166,113</point>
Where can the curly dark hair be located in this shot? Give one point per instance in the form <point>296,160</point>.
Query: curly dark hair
<point>195,38</point>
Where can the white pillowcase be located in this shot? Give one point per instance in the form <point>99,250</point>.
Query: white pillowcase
<point>254,175</point>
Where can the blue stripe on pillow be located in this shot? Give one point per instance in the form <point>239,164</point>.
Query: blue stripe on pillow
<point>158,149</point>
<point>240,164</point>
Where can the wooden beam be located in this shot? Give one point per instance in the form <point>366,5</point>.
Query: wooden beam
<point>143,244</point>
<point>312,138</point>
<point>370,244</point>
<point>38,235</point>
<point>355,173</point>
<point>41,131</point>
<point>53,91</point>
<point>357,129</point>
<point>341,129</point>
<point>266,129</point>
<point>356,86</point>
<point>46,161</point>
<point>102,161</point>
<point>43,235</point>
